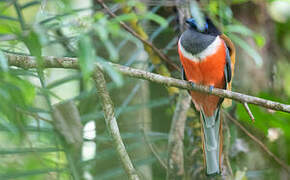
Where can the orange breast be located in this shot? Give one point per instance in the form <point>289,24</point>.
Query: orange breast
<point>208,72</point>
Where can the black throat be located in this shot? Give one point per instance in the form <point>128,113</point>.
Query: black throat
<point>195,42</point>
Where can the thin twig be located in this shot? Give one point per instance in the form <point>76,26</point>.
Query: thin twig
<point>249,111</point>
<point>34,115</point>
<point>260,143</point>
<point>112,125</point>
<point>155,153</point>
<point>163,56</point>
<point>72,63</point>
<point>8,37</point>
<point>19,14</point>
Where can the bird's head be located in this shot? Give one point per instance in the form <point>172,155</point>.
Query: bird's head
<point>207,28</point>
<point>197,38</point>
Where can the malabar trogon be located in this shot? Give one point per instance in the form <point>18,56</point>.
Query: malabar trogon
<point>207,58</point>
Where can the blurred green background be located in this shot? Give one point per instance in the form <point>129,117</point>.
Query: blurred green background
<point>32,147</point>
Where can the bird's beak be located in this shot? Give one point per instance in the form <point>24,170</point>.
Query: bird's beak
<point>188,21</point>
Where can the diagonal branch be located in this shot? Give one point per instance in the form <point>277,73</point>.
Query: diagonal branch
<point>249,111</point>
<point>112,125</point>
<point>155,153</point>
<point>72,63</point>
<point>163,56</point>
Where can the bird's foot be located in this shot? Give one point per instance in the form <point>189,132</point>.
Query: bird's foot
<point>211,88</point>
<point>192,83</point>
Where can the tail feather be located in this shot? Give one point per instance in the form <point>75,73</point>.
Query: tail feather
<point>212,141</point>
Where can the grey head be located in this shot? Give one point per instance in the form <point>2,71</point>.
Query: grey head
<point>195,40</point>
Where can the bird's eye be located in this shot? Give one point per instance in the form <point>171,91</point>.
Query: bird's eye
<point>194,25</point>
<point>205,28</point>
<point>191,22</point>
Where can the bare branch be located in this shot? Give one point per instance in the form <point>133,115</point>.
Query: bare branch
<point>34,115</point>
<point>65,62</point>
<point>163,56</point>
<point>249,111</point>
<point>260,143</point>
<point>176,136</point>
<point>155,153</point>
<point>183,13</point>
<point>112,125</point>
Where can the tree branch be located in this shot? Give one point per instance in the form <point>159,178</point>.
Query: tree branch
<point>155,153</point>
<point>65,62</point>
<point>175,160</point>
<point>112,125</point>
<point>249,111</point>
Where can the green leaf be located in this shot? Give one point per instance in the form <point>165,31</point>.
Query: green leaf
<point>149,16</point>
<point>160,29</point>
<point>63,81</point>
<point>8,23</point>
<point>239,29</point>
<point>113,52</point>
<point>124,17</point>
<point>213,7</point>
<point>28,150</point>
<point>87,56</point>
<point>29,173</point>
<point>15,94</point>
<point>247,48</point>
<point>4,122</point>
<point>25,87</point>
<point>33,43</point>
<point>29,4</point>
<point>260,40</point>
<point>47,92</point>
<point>34,46</point>
<point>197,14</point>
<point>98,16</point>
<point>239,1</point>
<point>243,30</point>
<point>156,18</point>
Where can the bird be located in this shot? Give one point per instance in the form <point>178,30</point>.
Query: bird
<point>207,57</point>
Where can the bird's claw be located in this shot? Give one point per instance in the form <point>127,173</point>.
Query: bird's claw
<point>192,83</point>
<point>211,88</point>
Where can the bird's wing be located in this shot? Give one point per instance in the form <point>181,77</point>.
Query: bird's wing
<point>230,65</point>
<point>228,70</point>
<point>232,53</point>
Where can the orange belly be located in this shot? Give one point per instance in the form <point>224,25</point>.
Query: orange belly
<point>208,72</point>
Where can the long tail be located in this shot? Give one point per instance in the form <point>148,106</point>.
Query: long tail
<point>212,142</point>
